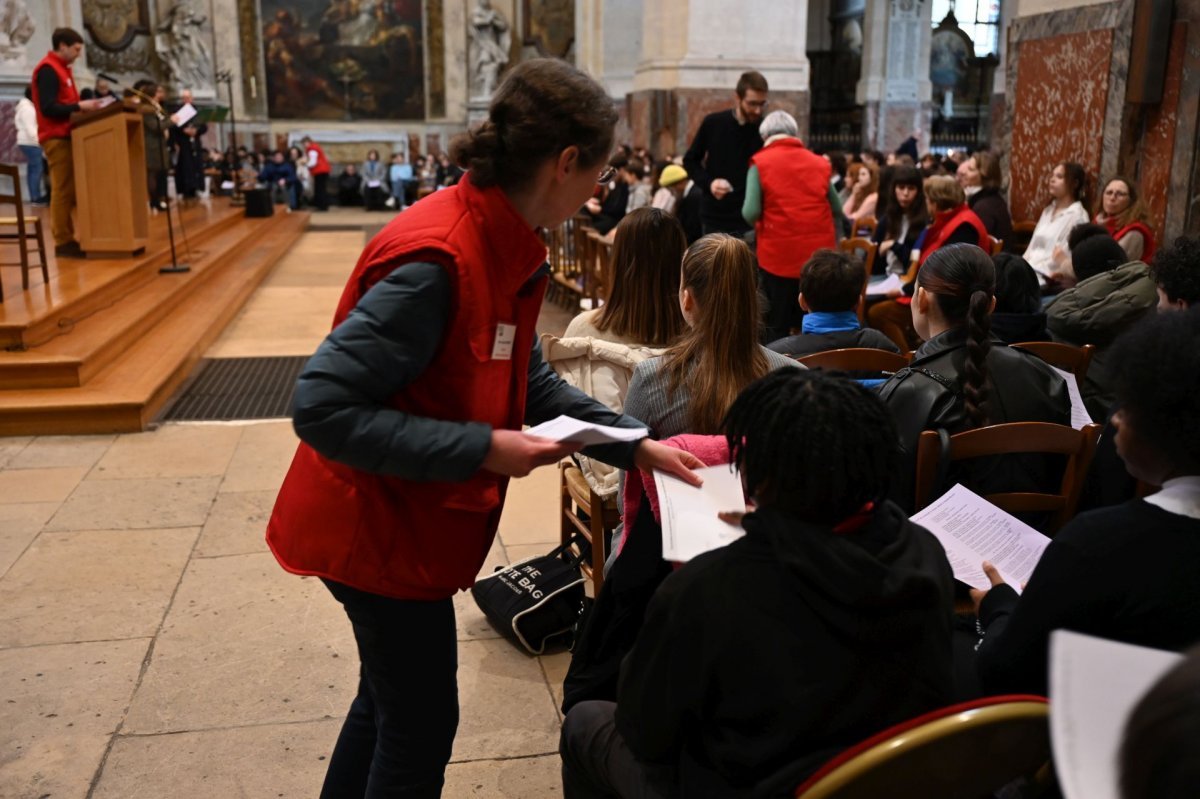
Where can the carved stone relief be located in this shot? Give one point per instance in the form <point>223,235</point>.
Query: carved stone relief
<point>16,29</point>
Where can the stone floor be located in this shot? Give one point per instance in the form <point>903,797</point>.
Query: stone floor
<point>151,647</point>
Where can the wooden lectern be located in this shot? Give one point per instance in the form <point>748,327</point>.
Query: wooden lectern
<point>111,197</point>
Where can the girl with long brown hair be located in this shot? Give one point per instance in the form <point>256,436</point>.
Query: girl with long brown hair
<point>691,386</point>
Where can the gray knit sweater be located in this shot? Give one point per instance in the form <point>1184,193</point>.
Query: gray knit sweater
<point>667,415</point>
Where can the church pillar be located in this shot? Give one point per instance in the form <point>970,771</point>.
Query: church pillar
<point>692,54</point>
<point>895,90</point>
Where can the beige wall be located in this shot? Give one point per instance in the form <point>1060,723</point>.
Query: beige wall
<point>1028,8</point>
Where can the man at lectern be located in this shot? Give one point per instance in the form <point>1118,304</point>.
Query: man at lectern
<point>55,98</point>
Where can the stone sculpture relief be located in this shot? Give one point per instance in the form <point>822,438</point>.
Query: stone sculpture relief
<point>490,42</point>
<point>184,44</point>
<point>16,28</point>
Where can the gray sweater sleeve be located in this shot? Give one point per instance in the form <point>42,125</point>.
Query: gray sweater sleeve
<point>341,404</point>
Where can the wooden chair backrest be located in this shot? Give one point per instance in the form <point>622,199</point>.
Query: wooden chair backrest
<point>867,224</point>
<point>855,359</point>
<point>1070,359</point>
<point>997,245</point>
<point>974,749</point>
<point>868,249</point>
<point>12,197</point>
<point>1015,438</point>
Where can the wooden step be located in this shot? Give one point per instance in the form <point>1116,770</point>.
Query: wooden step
<point>79,287</point>
<point>128,393</point>
<point>74,358</point>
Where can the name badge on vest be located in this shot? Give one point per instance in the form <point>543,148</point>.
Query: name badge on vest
<point>502,348</point>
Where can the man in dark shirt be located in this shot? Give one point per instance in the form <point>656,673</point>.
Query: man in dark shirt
<point>720,156</point>
<point>55,98</point>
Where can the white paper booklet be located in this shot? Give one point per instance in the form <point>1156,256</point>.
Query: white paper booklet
<point>690,526</point>
<point>184,114</point>
<point>890,283</point>
<point>566,428</point>
<point>973,530</point>
<point>1094,686</point>
<point>1079,412</point>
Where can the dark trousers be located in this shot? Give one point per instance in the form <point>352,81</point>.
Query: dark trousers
<point>397,737</point>
<point>597,763</point>
<point>321,192</point>
<point>783,308</point>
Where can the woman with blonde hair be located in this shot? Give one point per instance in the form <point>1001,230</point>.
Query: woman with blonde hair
<point>980,179</point>
<point>1128,221</point>
<point>689,388</point>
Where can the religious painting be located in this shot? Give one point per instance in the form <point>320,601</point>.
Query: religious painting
<point>344,59</point>
<point>550,26</point>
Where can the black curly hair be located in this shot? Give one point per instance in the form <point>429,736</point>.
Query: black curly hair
<point>1176,270</point>
<point>811,444</point>
<point>1156,369</point>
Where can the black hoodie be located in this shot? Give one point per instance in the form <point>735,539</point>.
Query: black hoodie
<point>758,661</point>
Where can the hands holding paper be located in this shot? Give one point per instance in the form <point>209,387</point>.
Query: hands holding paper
<point>652,456</point>
<point>516,454</point>
<point>994,578</point>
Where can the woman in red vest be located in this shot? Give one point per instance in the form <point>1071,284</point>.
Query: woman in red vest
<point>1124,214</point>
<point>792,205</point>
<point>319,168</point>
<point>410,417</point>
<point>953,223</point>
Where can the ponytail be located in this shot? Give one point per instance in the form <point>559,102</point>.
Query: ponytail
<point>976,389</point>
<point>962,280</point>
<point>720,354</point>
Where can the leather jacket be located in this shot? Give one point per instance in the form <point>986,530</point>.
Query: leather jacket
<point>928,396</point>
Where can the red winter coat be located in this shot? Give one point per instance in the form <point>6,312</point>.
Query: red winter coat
<point>425,540</point>
<point>796,218</point>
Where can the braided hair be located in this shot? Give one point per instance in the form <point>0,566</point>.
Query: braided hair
<point>811,444</point>
<point>962,280</point>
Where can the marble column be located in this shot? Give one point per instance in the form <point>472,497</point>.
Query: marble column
<point>607,47</point>
<point>895,90</point>
<point>692,54</point>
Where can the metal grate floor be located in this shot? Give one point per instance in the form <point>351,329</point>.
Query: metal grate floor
<point>227,389</point>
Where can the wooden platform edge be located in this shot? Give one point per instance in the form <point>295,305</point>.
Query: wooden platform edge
<point>113,403</point>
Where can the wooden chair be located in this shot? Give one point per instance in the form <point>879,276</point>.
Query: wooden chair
<point>596,268</point>
<point>1014,439</point>
<point>997,245</point>
<point>965,750</point>
<point>1070,359</point>
<point>1022,234</point>
<point>855,359</point>
<point>867,225</point>
<point>583,511</point>
<point>568,279</point>
<point>866,250</point>
<point>25,232</point>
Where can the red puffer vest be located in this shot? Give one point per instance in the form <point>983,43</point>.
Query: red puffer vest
<point>322,166</point>
<point>1133,227</point>
<point>946,222</point>
<point>796,218</point>
<point>51,127</point>
<point>425,540</point>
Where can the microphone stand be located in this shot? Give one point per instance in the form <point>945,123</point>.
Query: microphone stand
<point>175,266</point>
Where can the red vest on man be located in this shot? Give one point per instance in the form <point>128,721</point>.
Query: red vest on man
<point>796,218</point>
<point>322,165</point>
<point>55,127</point>
<point>946,222</point>
<point>426,540</point>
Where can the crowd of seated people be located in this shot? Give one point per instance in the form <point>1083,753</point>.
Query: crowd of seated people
<point>709,701</point>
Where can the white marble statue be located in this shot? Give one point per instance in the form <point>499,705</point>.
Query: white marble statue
<point>490,40</point>
<point>16,29</point>
<point>184,45</point>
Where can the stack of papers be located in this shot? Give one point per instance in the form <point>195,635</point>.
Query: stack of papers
<point>1094,686</point>
<point>890,283</point>
<point>690,526</point>
<point>973,530</point>
<point>566,428</point>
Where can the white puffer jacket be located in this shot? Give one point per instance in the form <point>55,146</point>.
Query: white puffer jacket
<point>601,369</point>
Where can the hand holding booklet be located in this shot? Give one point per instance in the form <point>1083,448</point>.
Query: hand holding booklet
<point>1094,686</point>
<point>690,526</point>
<point>566,428</point>
<point>973,530</point>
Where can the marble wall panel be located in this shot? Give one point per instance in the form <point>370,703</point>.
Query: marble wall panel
<point>1058,112</point>
<point>1158,142</point>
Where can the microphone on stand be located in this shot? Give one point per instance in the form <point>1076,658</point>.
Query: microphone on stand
<point>162,148</point>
